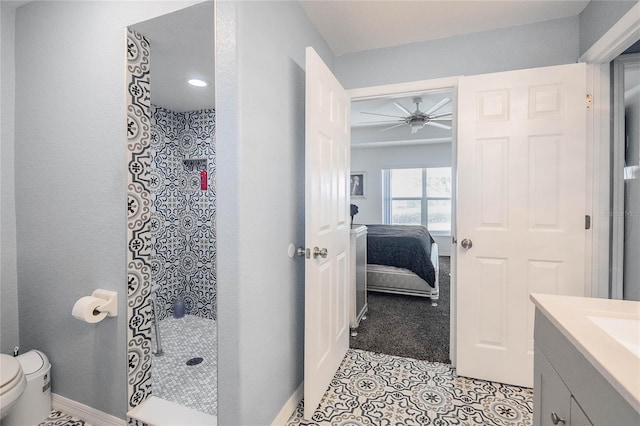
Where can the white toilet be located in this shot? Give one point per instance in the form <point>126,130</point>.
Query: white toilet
<point>12,383</point>
<point>28,391</point>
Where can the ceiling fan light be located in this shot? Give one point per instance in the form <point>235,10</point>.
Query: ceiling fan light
<point>416,125</point>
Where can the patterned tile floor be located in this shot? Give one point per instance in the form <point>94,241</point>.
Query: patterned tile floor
<point>384,390</point>
<point>58,418</point>
<point>381,390</point>
<point>194,386</point>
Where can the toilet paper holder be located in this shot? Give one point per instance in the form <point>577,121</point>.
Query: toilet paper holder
<point>110,305</point>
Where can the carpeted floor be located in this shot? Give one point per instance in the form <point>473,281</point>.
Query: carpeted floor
<point>407,326</point>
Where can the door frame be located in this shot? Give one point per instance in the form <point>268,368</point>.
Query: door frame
<point>417,87</point>
<point>617,178</point>
<point>605,282</point>
<point>597,242</point>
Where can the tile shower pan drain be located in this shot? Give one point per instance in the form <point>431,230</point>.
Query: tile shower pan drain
<point>195,361</point>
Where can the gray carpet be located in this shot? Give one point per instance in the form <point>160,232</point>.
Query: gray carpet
<point>408,326</point>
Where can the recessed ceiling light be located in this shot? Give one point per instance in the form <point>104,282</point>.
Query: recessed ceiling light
<point>197,82</point>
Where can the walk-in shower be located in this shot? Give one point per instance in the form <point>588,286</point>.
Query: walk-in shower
<point>183,255</point>
<point>172,333</point>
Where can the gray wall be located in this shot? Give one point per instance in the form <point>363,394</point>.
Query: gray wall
<point>8,275</point>
<point>260,146</point>
<point>526,46</point>
<point>70,175</point>
<point>70,180</point>
<point>598,17</point>
<point>373,160</point>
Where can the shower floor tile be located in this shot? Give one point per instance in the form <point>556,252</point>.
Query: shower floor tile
<point>194,386</point>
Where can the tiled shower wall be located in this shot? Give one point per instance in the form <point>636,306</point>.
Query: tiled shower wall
<point>138,212</point>
<point>182,214</point>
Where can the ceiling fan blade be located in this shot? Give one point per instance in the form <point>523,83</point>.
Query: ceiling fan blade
<point>440,125</point>
<point>440,119</point>
<point>406,111</point>
<point>438,106</point>
<point>393,127</point>
<point>380,122</point>
<point>442,114</point>
<point>384,115</point>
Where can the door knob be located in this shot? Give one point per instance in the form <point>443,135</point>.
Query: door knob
<point>466,243</point>
<point>319,252</point>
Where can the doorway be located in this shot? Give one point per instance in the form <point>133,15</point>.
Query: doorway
<point>392,158</point>
<point>172,339</point>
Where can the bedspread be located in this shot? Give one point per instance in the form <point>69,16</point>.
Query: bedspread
<point>402,246</point>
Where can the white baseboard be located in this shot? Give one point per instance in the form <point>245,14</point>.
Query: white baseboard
<point>289,407</point>
<point>84,412</point>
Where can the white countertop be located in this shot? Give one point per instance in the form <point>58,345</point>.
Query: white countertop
<point>605,331</point>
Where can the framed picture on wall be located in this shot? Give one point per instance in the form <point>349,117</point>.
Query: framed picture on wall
<point>357,184</point>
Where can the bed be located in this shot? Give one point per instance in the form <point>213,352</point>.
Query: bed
<point>402,259</point>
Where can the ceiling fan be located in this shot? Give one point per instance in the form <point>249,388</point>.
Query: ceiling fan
<point>418,119</point>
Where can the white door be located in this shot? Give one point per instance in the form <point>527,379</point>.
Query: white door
<point>327,226</point>
<point>521,205</point>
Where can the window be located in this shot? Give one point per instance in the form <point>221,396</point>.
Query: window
<point>418,197</point>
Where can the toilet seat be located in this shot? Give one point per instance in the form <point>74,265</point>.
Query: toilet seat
<point>13,382</point>
<point>11,374</point>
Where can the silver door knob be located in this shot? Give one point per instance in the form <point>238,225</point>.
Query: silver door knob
<point>319,252</point>
<point>466,243</point>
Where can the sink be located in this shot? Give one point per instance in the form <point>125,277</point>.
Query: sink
<point>625,331</point>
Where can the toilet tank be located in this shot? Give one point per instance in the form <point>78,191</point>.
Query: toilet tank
<point>34,406</point>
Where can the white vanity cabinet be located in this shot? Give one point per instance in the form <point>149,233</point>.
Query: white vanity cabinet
<point>358,295</point>
<point>581,378</point>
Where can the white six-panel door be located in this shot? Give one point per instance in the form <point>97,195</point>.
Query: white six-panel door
<point>521,204</point>
<point>326,227</point>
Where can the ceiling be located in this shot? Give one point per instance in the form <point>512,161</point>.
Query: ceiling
<point>182,43</point>
<point>14,4</point>
<point>182,47</point>
<point>353,25</point>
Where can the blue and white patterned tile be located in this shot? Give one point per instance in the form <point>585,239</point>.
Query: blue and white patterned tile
<point>138,217</point>
<point>378,389</point>
<point>59,418</point>
<point>183,215</point>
